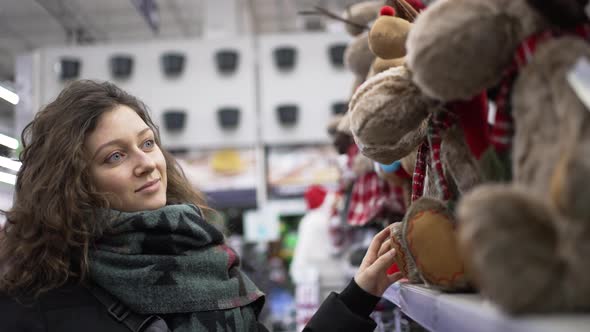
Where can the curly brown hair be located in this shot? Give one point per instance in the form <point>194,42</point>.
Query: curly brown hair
<point>54,218</point>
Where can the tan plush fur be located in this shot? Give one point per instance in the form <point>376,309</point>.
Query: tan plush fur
<point>552,161</point>
<point>332,126</point>
<point>358,57</point>
<point>362,165</point>
<point>539,102</point>
<point>429,237</point>
<point>458,161</point>
<point>387,115</point>
<point>451,51</point>
<point>527,242</point>
<point>388,37</point>
<point>388,118</point>
<point>430,188</point>
<point>381,65</point>
<point>404,261</point>
<point>409,162</point>
<point>344,124</point>
<point>509,240</point>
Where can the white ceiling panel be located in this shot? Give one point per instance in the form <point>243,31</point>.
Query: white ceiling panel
<point>30,24</point>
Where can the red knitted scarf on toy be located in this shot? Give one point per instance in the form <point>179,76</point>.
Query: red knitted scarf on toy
<point>503,129</point>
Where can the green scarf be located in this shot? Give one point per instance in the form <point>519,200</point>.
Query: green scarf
<point>171,262</point>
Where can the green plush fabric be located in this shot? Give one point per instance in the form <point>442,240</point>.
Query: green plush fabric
<point>172,261</point>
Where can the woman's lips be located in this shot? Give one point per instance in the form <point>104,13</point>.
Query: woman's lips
<point>149,187</point>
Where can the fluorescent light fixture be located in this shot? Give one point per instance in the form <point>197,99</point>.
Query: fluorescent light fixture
<point>7,178</point>
<point>9,141</point>
<point>10,164</point>
<point>8,95</point>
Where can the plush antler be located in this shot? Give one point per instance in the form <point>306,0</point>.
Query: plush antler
<point>325,12</point>
<point>404,10</point>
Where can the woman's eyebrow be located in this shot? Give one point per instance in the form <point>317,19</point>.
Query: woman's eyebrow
<point>143,131</point>
<point>118,141</point>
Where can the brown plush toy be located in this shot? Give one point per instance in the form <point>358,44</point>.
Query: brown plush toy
<point>526,242</point>
<point>391,52</point>
<point>357,56</point>
<point>395,16</point>
<point>373,197</point>
<point>391,118</point>
<point>388,35</point>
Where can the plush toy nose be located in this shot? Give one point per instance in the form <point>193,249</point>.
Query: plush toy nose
<point>387,11</point>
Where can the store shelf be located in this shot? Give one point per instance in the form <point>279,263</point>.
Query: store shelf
<point>239,198</point>
<point>443,312</point>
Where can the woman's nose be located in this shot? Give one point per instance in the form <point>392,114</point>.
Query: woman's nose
<point>145,164</point>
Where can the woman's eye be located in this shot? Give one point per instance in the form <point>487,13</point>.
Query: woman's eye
<point>115,157</point>
<point>149,144</point>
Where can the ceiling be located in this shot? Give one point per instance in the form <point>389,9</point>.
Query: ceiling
<point>29,24</point>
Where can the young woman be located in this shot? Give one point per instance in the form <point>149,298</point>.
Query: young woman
<point>106,234</point>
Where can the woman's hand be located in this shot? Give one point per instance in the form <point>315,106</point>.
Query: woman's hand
<point>372,275</point>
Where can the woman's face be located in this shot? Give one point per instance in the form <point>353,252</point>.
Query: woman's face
<point>126,162</point>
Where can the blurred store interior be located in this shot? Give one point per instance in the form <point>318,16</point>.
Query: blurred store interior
<point>250,97</point>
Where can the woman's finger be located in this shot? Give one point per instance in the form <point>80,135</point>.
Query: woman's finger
<point>384,247</point>
<point>377,241</point>
<point>394,277</point>
<point>373,251</point>
<point>384,262</point>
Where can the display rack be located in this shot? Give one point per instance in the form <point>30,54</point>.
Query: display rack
<point>443,312</point>
<point>234,198</point>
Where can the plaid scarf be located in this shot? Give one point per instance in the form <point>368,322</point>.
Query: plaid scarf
<point>503,129</point>
<point>172,261</point>
<point>429,156</point>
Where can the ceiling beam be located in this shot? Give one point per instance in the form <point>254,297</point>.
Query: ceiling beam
<point>78,28</point>
<point>179,18</point>
<point>220,18</point>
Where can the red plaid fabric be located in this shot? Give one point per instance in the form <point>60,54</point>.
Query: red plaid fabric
<point>503,129</point>
<point>429,156</point>
<point>372,197</point>
<point>440,122</point>
<point>420,171</point>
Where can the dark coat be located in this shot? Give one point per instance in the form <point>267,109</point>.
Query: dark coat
<point>69,308</point>
<point>73,308</point>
